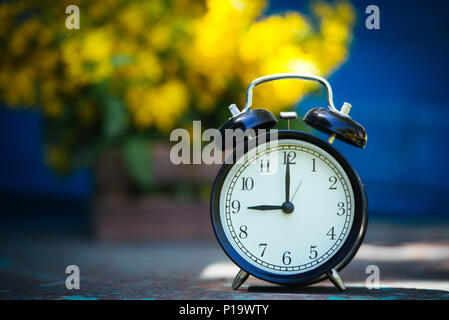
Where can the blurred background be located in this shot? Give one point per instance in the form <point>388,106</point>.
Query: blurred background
<point>74,101</point>
<point>85,114</point>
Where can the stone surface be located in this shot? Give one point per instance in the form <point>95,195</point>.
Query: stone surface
<point>413,262</point>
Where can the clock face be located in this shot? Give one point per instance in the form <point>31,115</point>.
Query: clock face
<point>287,207</point>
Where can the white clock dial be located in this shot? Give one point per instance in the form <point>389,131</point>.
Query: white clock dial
<point>293,235</point>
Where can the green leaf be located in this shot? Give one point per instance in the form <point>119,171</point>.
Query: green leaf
<point>115,118</point>
<point>119,60</point>
<point>136,154</point>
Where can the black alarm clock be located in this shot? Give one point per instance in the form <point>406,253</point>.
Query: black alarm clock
<point>292,211</point>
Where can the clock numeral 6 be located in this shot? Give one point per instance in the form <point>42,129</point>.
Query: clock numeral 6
<point>243,232</point>
<point>236,206</point>
<point>286,259</point>
<point>313,252</point>
<point>247,183</point>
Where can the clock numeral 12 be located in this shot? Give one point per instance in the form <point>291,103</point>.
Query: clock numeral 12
<point>289,156</point>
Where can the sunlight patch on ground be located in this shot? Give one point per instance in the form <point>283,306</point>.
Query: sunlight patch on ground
<point>407,284</point>
<point>423,252</point>
<point>219,270</point>
<point>405,252</point>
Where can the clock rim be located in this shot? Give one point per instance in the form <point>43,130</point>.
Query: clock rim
<point>339,260</point>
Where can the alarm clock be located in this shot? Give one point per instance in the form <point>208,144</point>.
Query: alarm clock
<point>290,210</point>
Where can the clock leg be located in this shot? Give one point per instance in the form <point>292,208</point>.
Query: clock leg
<point>335,278</point>
<point>240,278</point>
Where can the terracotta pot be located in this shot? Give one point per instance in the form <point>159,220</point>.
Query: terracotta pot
<point>118,214</point>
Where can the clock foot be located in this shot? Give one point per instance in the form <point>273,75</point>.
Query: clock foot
<point>335,278</point>
<point>240,278</point>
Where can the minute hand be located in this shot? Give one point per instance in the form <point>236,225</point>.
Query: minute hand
<point>287,182</point>
<point>266,207</point>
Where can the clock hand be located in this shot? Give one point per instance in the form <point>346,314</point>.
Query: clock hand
<point>266,207</point>
<point>297,188</point>
<point>287,182</point>
<point>287,206</point>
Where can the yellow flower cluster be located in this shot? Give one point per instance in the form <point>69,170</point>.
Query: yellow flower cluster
<point>147,104</point>
<point>162,59</point>
<point>230,44</point>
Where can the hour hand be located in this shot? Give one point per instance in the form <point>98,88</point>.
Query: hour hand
<point>266,207</point>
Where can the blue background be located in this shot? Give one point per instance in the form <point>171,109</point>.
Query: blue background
<point>395,79</point>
